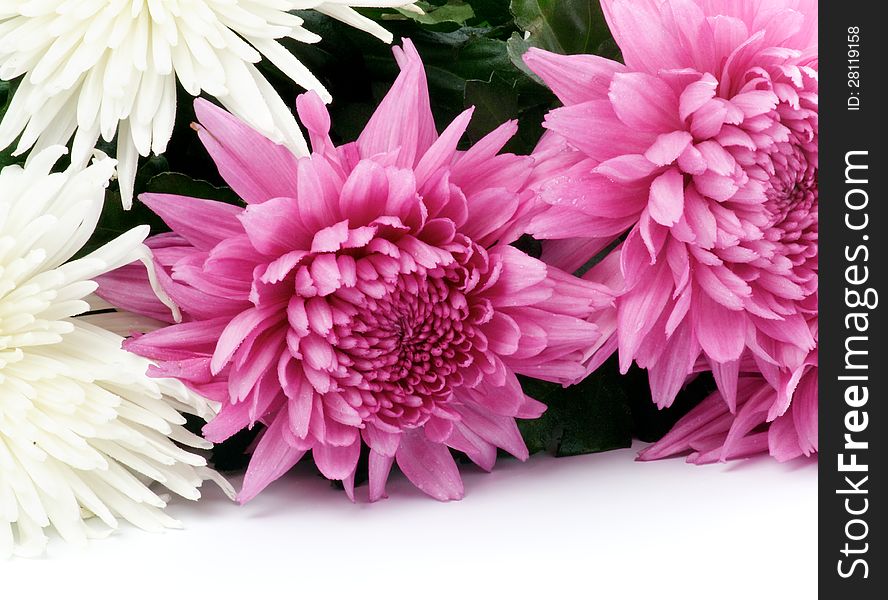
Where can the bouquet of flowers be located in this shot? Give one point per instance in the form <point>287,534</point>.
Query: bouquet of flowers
<point>377,234</point>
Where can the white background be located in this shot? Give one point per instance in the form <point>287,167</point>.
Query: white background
<point>597,526</point>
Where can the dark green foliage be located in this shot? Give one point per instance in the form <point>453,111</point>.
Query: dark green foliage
<point>7,88</point>
<point>530,246</point>
<point>465,66</point>
<point>605,411</point>
<point>651,423</point>
<point>183,185</point>
<point>437,13</point>
<point>563,26</point>
<point>232,455</point>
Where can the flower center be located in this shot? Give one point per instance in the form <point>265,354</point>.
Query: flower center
<point>409,337</point>
<point>791,191</point>
<point>414,335</point>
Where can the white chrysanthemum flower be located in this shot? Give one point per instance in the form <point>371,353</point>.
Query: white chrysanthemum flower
<point>99,67</point>
<point>83,429</point>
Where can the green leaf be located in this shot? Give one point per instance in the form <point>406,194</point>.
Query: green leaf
<point>359,71</point>
<point>495,102</point>
<point>115,221</point>
<point>5,96</point>
<point>454,11</point>
<point>651,423</point>
<point>452,59</point>
<point>232,454</point>
<point>603,412</point>
<point>563,26</point>
<point>592,416</point>
<point>468,68</point>
<point>183,185</point>
<point>151,177</point>
<point>529,245</point>
<point>516,46</point>
<point>491,12</point>
<point>7,89</point>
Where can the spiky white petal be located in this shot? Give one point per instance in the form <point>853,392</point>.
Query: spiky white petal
<point>83,429</point>
<point>96,68</point>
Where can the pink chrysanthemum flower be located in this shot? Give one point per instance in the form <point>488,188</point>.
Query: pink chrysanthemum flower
<point>702,150</point>
<point>711,432</point>
<point>366,293</point>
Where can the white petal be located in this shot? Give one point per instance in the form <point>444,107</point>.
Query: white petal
<point>83,429</point>
<point>108,68</point>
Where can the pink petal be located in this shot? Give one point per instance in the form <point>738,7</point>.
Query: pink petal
<point>314,116</point>
<point>691,161</point>
<point>639,309</point>
<point>646,42</point>
<point>503,334</point>
<point>626,168</point>
<point>518,283</point>
<point>378,468</point>
<point>594,195</point>
<point>644,102</point>
<point>696,95</point>
<point>231,419</point>
<point>484,150</point>
<point>668,147</point>
<point>256,168</point>
<point>572,253</point>
<point>179,341</point>
<point>726,377</point>
<point>497,429</point>
<point>669,373</point>
<point>755,103</point>
<point>128,288</point>
<point>707,121</point>
<point>722,332</point>
<point>667,197</point>
<point>576,78</point>
<point>700,219</point>
<point>530,409</point>
<point>403,121</point>
<point>237,331</point>
<point>498,207</point>
<point>559,223</point>
<point>204,223</point>
<point>336,462</point>
<point>442,152</point>
<point>612,136</point>
<point>429,466</point>
<point>382,442</point>
<point>718,160</point>
<point>783,441</point>
<point>272,458</point>
<point>365,192</point>
<point>437,430</point>
<point>480,451</point>
<point>709,417</point>
<point>299,393</point>
<point>275,227</point>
